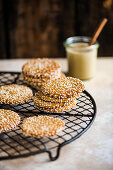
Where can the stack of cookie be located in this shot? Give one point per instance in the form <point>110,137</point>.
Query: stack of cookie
<point>36,72</point>
<point>58,95</point>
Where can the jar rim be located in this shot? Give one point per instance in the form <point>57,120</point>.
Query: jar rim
<point>80,39</point>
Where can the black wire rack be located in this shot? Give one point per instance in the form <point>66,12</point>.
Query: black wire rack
<point>14,144</point>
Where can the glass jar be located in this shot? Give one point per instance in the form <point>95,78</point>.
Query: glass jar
<point>81,57</point>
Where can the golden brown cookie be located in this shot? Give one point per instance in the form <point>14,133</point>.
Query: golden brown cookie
<point>47,98</point>
<point>42,126</point>
<point>52,103</point>
<point>63,87</point>
<point>41,103</point>
<point>41,68</point>
<point>35,85</point>
<point>8,120</point>
<point>57,109</point>
<point>39,79</point>
<point>38,83</point>
<point>15,94</point>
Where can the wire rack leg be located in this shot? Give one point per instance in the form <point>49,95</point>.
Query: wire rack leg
<point>57,154</point>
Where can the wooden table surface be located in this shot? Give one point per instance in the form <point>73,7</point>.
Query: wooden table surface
<point>94,149</point>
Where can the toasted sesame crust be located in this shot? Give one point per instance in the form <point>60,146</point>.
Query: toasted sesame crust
<point>41,68</point>
<point>15,94</point>
<point>42,126</point>
<point>8,120</point>
<point>63,87</point>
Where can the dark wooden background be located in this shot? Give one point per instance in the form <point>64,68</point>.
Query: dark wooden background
<point>37,28</point>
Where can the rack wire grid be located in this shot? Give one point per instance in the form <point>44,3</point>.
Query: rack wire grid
<point>13,144</point>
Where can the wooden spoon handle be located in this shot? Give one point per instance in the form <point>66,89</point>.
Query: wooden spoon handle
<point>98,31</point>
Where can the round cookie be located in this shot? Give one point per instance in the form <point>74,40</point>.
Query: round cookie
<point>39,79</point>
<point>41,68</point>
<point>42,126</point>
<point>51,102</point>
<point>8,120</point>
<point>15,94</point>
<point>57,109</point>
<point>34,80</point>
<point>42,103</point>
<point>47,98</point>
<point>36,83</point>
<point>63,87</point>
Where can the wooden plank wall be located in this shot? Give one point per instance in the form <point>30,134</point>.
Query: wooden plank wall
<point>37,28</point>
<point>3,51</point>
<point>89,15</point>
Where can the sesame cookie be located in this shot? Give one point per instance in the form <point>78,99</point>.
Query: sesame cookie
<point>35,85</point>
<point>41,68</point>
<point>47,98</point>
<point>38,80</point>
<point>57,109</point>
<point>15,94</point>
<point>38,83</point>
<point>63,87</point>
<point>8,120</point>
<point>34,80</point>
<point>42,126</point>
<point>42,103</point>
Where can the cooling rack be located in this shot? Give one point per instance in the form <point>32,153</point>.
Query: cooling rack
<point>14,144</point>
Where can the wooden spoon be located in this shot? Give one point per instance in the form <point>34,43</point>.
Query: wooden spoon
<point>98,31</point>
